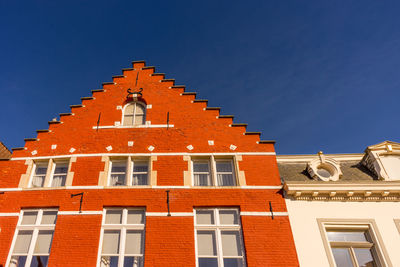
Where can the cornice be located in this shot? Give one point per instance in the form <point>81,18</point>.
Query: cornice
<point>307,158</point>
<point>343,191</point>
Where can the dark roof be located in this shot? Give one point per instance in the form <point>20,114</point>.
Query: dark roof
<point>4,152</point>
<point>297,172</point>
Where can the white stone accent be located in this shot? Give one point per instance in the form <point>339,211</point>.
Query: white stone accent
<point>233,147</point>
<point>117,123</point>
<point>130,143</point>
<point>109,148</point>
<point>119,107</point>
<point>211,142</point>
<point>34,152</point>
<point>190,147</point>
<point>53,146</point>
<point>151,148</point>
<point>72,150</point>
<point>149,106</point>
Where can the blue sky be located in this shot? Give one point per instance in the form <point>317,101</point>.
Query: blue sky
<point>312,75</point>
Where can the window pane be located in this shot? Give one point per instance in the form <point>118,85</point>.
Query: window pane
<point>113,216</point>
<point>228,217</point>
<point>61,168</point>
<point>205,217</point>
<point>224,166</point>
<point>226,180</point>
<point>109,261</point>
<point>29,217</point>
<point>117,179</point>
<point>128,120</point>
<point>18,261</point>
<point>133,261</point>
<point>133,243</point>
<point>139,119</point>
<point>206,243</point>
<point>139,179</point>
<point>364,257</point>
<point>231,243</point>
<point>208,262</point>
<point>118,167</point>
<point>59,180</point>
<point>233,262</point>
<point>342,257</point>
<point>139,109</point>
<point>111,242</point>
<point>202,180</point>
<point>43,242</point>
<point>41,169</point>
<point>23,241</point>
<point>38,181</point>
<point>39,261</point>
<point>347,236</point>
<point>140,166</point>
<point>135,217</point>
<point>200,167</point>
<point>49,217</point>
<point>129,109</point>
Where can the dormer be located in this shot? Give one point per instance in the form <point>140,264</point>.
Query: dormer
<point>383,160</point>
<point>324,168</point>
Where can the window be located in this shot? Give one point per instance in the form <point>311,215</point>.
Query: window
<point>129,171</point>
<point>211,172</point>
<point>219,238</point>
<point>39,175</point>
<point>57,177</point>
<point>134,114</point>
<point>122,242</point>
<point>353,245</point>
<point>33,237</point>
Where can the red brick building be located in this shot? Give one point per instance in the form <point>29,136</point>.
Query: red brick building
<point>148,177</point>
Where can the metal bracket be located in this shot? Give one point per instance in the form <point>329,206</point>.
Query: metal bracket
<point>169,214</point>
<point>80,202</point>
<point>270,209</point>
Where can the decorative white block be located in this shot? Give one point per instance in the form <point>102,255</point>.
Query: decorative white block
<point>34,152</point>
<point>117,123</point>
<point>211,142</point>
<point>109,148</point>
<point>149,106</point>
<point>119,107</point>
<point>150,148</point>
<point>53,146</point>
<point>190,147</point>
<point>72,150</point>
<point>233,147</point>
<point>148,122</point>
<point>130,143</point>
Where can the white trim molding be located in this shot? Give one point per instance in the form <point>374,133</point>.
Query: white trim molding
<point>134,126</point>
<point>269,214</point>
<point>148,154</point>
<point>173,214</point>
<point>374,191</point>
<point>84,212</point>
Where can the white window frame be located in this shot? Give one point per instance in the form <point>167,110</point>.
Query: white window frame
<point>54,166</point>
<point>35,165</point>
<point>48,177</point>
<point>217,228</point>
<point>130,163</point>
<point>122,227</point>
<point>135,103</point>
<point>212,164</point>
<point>35,228</point>
<point>380,255</point>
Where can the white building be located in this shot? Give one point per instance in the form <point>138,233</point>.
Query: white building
<point>344,209</point>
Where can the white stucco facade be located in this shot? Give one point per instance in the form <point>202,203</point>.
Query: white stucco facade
<point>304,219</point>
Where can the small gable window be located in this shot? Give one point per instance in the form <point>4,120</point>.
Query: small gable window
<point>134,114</point>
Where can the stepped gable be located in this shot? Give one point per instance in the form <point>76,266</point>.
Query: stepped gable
<point>191,123</point>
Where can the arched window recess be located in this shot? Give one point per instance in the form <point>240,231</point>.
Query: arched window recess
<point>134,113</point>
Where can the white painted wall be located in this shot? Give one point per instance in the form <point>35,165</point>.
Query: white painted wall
<point>303,217</point>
